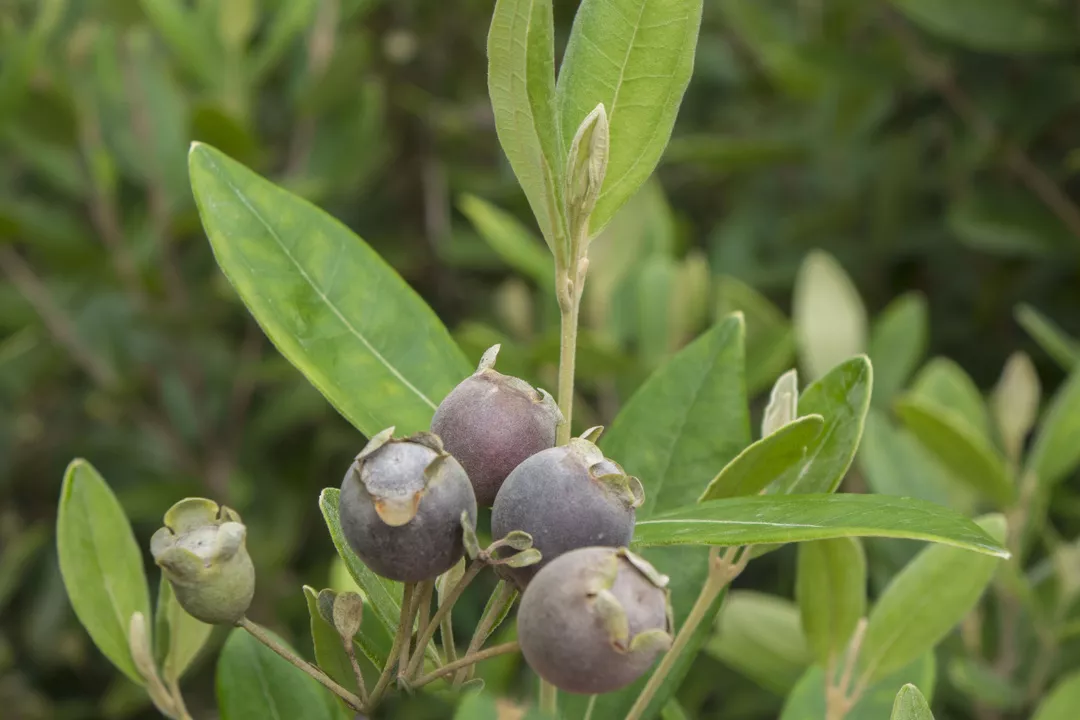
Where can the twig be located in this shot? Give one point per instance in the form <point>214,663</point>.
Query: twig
<point>505,594</point>
<point>1016,160</point>
<point>260,634</point>
<point>444,610</point>
<point>466,661</point>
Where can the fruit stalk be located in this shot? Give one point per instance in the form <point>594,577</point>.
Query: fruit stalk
<point>722,570</point>
<point>443,612</point>
<point>266,639</point>
<point>466,661</point>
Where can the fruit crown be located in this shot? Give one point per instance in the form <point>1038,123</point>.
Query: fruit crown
<point>624,486</point>
<point>540,396</point>
<point>613,614</point>
<point>397,503</point>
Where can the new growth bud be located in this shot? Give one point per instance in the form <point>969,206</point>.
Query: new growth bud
<point>587,163</point>
<point>201,550</point>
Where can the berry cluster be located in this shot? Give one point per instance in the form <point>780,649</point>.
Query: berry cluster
<point>593,616</point>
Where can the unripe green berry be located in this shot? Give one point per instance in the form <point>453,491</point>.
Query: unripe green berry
<point>202,552</point>
<point>594,620</point>
<point>566,497</point>
<point>401,507</point>
<point>492,422</point>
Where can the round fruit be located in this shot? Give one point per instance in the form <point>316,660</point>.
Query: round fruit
<point>491,422</point>
<point>401,507</point>
<point>594,620</point>
<point>566,497</point>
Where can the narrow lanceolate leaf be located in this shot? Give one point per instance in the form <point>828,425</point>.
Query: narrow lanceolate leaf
<point>761,636</point>
<point>944,384</point>
<point>1065,350</point>
<point>842,397</point>
<point>756,467</point>
<point>521,83</point>
<point>829,316</point>
<point>687,421</point>
<point>797,518</point>
<point>831,590</point>
<point>510,240</point>
<point>384,596</point>
<point>898,341</point>
<point>635,57</point>
<point>910,705</point>
<point>179,637</point>
<point>329,303</point>
<point>966,453</point>
<point>101,563</point>
<point>1056,452</point>
<point>1062,701</point>
<point>255,683</point>
<point>924,602</point>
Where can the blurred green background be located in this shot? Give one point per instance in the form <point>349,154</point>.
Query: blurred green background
<point>930,146</point>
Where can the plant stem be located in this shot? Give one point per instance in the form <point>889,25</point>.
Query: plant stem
<point>444,612</point>
<point>424,593</point>
<point>350,650</point>
<point>722,570</point>
<point>406,637</point>
<point>260,634</point>
<point>567,351</point>
<point>839,696</point>
<point>549,698</point>
<point>589,707</point>
<point>466,661</point>
<point>504,596</point>
<point>399,641</point>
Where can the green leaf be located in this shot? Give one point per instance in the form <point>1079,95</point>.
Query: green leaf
<point>255,683</point>
<point>521,82</point>
<point>194,48</point>
<point>1056,452</point>
<point>797,518</point>
<point>1062,700</point>
<point>477,706</point>
<point>759,465</point>
<point>291,19</point>
<point>967,454</point>
<point>686,421</point>
<point>383,596</point>
<point>924,602</point>
<point>770,342</point>
<point>943,383</point>
<point>101,563</point>
<point>179,637</point>
<point>894,462</point>
<point>1006,26</point>
<point>843,398</point>
<point>329,650</point>
<point>807,700</point>
<point>981,683</point>
<point>329,303</point>
<point>898,341</point>
<point>760,636</point>
<point>831,589</point>
<point>910,705</point>
<point>1064,350</point>
<point>635,57</point>
<point>828,314</point>
<point>510,240</point>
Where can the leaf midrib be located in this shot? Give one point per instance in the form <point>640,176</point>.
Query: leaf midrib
<point>307,278</point>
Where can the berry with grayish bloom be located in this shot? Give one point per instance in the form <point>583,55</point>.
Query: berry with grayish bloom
<point>492,422</point>
<point>202,552</point>
<point>401,506</point>
<point>594,620</point>
<point>566,497</point>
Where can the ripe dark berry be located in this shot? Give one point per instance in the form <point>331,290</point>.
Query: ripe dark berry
<point>594,620</point>
<point>401,507</point>
<point>566,497</point>
<point>491,422</point>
